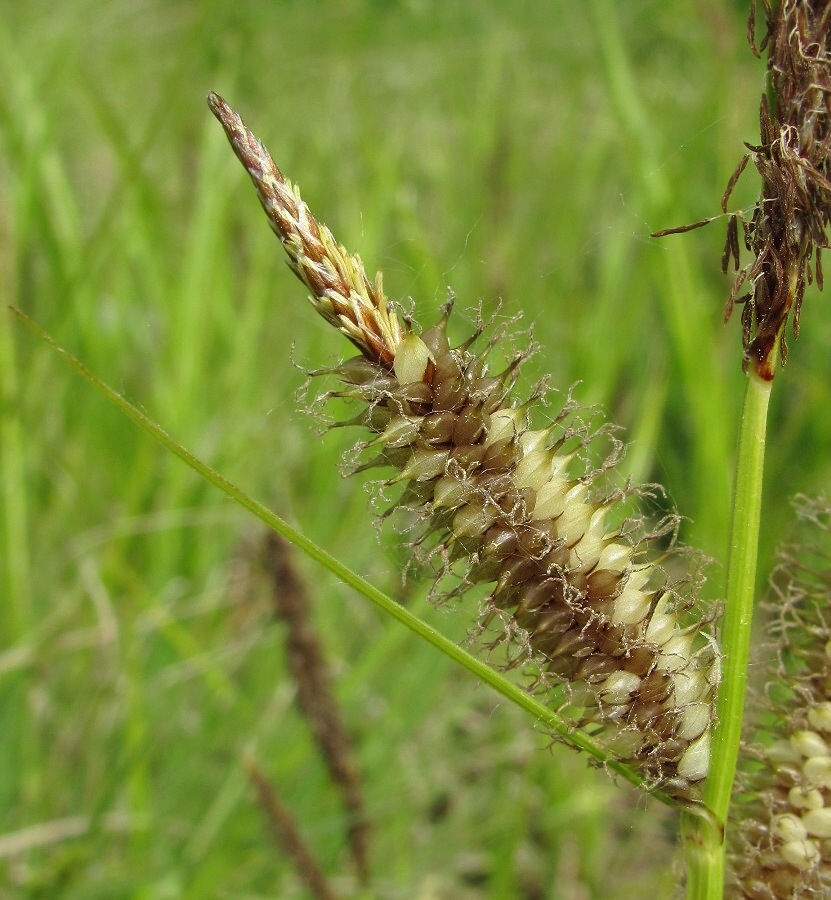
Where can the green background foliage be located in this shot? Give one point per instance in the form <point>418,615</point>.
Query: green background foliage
<point>520,151</point>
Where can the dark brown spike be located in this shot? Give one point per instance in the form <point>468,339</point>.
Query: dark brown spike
<point>316,699</point>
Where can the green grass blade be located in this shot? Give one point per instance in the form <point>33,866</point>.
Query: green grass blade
<point>13,493</point>
<point>546,717</point>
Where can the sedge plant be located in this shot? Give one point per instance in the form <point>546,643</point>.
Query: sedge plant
<point>516,512</point>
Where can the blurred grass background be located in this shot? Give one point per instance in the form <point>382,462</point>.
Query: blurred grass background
<point>520,150</point>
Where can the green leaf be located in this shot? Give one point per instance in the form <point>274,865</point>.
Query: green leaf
<point>558,724</point>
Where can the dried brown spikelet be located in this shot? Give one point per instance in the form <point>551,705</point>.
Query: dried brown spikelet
<point>781,843</point>
<point>499,503</point>
<point>315,693</point>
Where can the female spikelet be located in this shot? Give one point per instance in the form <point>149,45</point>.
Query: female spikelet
<point>576,595</point>
<point>782,842</point>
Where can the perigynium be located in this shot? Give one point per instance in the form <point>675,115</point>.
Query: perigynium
<point>607,626</point>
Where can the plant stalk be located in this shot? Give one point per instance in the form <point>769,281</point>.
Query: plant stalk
<point>704,844</point>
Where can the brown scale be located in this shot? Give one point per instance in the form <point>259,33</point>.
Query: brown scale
<point>603,583</point>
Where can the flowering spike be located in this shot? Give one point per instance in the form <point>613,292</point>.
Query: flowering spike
<point>573,597</point>
<point>341,291</point>
<point>781,843</point>
<point>793,158</point>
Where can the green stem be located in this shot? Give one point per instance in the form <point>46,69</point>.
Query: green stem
<point>704,855</point>
<point>16,612</point>
<point>704,844</point>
